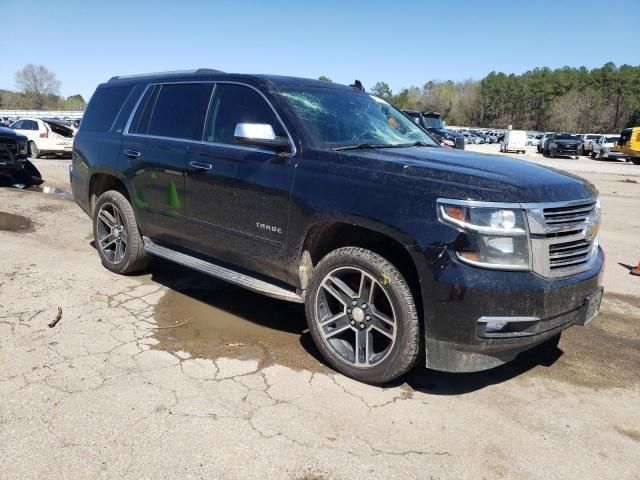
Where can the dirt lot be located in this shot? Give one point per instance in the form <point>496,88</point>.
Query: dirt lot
<point>174,375</point>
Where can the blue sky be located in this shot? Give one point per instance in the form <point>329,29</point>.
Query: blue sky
<point>401,42</point>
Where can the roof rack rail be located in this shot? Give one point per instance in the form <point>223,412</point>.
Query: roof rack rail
<point>172,72</point>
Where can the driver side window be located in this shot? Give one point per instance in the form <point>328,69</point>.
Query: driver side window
<point>233,104</point>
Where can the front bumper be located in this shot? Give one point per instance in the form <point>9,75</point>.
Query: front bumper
<point>455,339</point>
<point>613,154</point>
<point>565,151</point>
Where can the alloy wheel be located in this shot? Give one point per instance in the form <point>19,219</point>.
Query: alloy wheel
<point>356,317</point>
<point>112,234</point>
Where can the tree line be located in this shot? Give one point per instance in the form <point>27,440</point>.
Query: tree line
<point>601,100</point>
<point>38,89</point>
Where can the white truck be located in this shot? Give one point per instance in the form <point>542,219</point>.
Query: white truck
<point>605,148</point>
<point>514,141</point>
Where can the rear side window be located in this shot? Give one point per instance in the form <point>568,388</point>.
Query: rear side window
<point>233,104</point>
<point>179,111</point>
<point>103,108</point>
<point>140,122</point>
<point>30,125</point>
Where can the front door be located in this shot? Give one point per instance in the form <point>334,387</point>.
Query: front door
<point>238,196</point>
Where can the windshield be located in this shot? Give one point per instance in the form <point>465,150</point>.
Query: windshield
<point>433,122</point>
<point>567,136</point>
<point>613,139</point>
<point>592,137</point>
<point>340,118</point>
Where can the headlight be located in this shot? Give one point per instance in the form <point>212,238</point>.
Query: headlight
<point>498,236</point>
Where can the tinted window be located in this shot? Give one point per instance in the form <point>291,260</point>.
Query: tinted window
<point>233,104</point>
<point>180,110</point>
<point>17,125</point>
<point>103,108</point>
<point>140,122</point>
<point>30,125</point>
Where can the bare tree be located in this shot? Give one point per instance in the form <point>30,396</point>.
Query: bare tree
<point>37,82</point>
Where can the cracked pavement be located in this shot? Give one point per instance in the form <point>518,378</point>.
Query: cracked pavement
<point>127,385</point>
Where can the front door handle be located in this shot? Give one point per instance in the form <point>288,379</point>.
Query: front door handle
<point>132,154</point>
<point>201,165</point>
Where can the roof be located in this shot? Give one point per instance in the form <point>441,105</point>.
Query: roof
<point>208,73</point>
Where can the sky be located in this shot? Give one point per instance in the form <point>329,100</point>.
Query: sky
<point>400,42</point>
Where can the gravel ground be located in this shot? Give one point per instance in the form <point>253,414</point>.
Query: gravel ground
<point>171,374</point>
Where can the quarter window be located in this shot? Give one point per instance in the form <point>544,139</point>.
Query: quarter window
<point>233,104</point>
<point>103,108</point>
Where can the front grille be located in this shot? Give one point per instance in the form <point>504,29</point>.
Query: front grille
<point>568,215</point>
<point>569,254</point>
<point>563,236</point>
<point>9,144</point>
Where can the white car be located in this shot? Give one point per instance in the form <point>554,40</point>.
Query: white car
<point>514,140</point>
<point>543,141</point>
<point>586,141</point>
<point>533,141</point>
<point>605,147</point>
<point>45,136</point>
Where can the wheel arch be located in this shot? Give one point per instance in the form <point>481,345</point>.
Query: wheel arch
<point>103,181</point>
<point>324,236</point>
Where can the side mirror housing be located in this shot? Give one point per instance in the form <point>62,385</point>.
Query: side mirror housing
<point>260,135</point>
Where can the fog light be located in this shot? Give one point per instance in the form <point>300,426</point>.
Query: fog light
<point>493,327</point>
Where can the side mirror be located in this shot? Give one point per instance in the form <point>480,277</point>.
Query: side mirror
<point>260,135</point>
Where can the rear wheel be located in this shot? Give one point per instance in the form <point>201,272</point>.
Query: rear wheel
<point>592,154</point>
<point>362,316</point>
<point>35,152</point>
<point>116,234</point>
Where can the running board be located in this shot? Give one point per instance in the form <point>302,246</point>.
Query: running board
<point>217,271</point>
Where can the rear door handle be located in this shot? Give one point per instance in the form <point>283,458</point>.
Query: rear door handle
<point>201,165</point>
<point>132,153</point>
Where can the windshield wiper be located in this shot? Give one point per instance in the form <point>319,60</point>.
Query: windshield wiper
<point>367,146</point>
<point>360,146</point>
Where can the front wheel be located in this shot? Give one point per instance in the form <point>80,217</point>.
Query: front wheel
<point>116,234</point>
<point>362,316</point>
<point>592,155</point>
<point>636,160</point>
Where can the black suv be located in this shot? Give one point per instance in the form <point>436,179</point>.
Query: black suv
<point>323,194</point>
<point>565,144</point>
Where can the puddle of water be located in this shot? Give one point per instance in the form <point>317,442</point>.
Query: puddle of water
<point>50,191</point>
<point>14,223</point>
<point>219,320</point>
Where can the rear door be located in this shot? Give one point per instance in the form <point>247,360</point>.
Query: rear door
<point>169,118</point>
<point>238,196</point>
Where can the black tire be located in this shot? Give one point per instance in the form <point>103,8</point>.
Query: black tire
<point>134,257</point>
<point>35,152</point>
<point>636,160</point>
<point>404,352</point>
<point>592,155</point>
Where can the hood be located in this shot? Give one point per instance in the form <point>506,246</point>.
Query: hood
<point>484,177</point>
<point>8,132</point>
